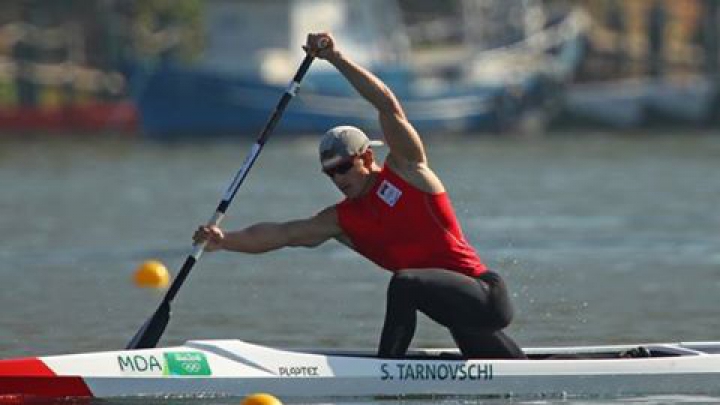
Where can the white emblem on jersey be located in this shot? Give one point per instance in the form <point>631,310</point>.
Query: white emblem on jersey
<point>389,193</point>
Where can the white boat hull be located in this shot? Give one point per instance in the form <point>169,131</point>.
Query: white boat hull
<point>236,368</point>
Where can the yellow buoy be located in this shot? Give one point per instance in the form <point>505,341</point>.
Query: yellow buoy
<point>260,399</point>
<point>152,274</point>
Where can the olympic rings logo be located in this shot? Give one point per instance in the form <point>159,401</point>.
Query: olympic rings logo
<point>191,367</point>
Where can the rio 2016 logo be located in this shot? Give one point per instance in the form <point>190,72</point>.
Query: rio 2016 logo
<point>186,364</point>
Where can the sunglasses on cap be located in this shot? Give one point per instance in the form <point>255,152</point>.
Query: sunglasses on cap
<point>341,168</point>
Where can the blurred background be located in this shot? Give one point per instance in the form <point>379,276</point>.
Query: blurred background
<point>163,68</point>
<point>578,140</point>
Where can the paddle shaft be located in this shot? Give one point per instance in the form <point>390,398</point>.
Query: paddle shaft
<point>150,333</point>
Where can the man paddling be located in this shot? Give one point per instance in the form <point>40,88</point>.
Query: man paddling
<point>399,216</point>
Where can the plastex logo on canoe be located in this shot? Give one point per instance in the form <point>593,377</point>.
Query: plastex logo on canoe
<point>186,363</point>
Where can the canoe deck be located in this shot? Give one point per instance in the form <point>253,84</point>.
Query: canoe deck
<point>549,353</point>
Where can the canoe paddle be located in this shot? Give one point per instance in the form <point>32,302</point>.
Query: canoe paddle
<point>150,333</point>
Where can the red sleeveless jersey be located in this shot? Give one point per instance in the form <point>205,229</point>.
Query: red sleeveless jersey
<point>400,227</point>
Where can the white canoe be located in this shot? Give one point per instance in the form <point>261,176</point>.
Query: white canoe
<point>236,368</point>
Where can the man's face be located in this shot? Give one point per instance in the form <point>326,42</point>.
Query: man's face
<point>349,175</point>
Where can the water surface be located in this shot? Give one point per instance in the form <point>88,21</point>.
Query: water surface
<point>602,238</point>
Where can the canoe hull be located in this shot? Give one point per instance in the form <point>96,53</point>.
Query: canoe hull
<point>236,368</point>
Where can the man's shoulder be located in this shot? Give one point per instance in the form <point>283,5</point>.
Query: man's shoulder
<point>417,174</point>
<point>328,213</point>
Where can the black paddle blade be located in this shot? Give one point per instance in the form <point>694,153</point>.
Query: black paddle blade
<point>149,335</point>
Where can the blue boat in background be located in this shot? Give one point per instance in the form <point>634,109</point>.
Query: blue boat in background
<point>252,47</point>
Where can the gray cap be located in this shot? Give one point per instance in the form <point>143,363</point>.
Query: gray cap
<point>342,142</point>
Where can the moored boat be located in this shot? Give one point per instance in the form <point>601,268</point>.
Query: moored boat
<point>229,86</point>
<point>237,368</point>
<point>632,103</point>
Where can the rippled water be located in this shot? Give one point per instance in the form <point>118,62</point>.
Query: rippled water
<point>603,239</point>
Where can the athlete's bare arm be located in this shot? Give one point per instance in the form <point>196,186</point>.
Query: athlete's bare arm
<point>267,236</point>
<point>407,152</point>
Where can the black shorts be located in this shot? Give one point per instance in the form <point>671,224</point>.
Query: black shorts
<point>474,309</point>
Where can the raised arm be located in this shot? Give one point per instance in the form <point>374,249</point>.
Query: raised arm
<point>405,144</point>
